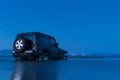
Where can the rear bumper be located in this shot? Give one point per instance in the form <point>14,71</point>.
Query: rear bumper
<point>25,54</point>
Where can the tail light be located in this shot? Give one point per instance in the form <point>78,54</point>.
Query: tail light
<point>34,47</point>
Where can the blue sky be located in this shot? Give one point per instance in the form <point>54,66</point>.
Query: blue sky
<point>80,26</point>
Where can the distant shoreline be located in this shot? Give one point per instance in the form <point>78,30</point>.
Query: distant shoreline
<point>6,56</point>
<point>96,56</point>
<point>79,56</point>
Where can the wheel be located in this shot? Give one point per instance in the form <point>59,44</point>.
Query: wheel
<point>44,57</point>
<point>65,57</point>
<point>60,55</point>
<point>37,58</point>
<point>21,44</point>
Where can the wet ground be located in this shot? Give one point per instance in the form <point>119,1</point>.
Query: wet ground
<point>72,69</point>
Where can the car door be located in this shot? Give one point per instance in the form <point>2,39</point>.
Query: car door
<point>53,49</point>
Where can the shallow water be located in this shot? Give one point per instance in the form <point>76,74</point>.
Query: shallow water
<point>72,69</point>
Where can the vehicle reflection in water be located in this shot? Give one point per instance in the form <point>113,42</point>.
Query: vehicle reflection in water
<point>45,70</point>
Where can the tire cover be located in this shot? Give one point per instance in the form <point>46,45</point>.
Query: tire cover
<point>20,44</point>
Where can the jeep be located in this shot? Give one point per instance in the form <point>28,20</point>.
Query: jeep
<point>37,46</point>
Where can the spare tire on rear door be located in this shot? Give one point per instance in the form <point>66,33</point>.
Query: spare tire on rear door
<point>21,44</point>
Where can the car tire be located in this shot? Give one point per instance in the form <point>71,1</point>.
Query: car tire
<point>65,57</point>
<point>60,55</point>
<point>44,57</point>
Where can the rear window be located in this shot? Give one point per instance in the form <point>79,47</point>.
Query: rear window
<point>27,36</point>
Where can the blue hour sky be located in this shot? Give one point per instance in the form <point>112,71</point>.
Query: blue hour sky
<point>80,26</point>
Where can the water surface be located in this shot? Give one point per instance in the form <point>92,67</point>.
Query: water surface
<point>72,69</point>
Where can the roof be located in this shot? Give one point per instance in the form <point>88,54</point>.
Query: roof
<point>39,33</point>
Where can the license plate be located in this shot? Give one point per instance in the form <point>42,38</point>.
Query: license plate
<point>29,51</point>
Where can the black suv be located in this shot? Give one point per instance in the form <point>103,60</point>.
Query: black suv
<point>37,46</point>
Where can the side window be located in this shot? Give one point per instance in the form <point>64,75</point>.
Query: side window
<point>52,41</point>
<point>43,40</point>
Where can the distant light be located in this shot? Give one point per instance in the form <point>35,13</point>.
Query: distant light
<point>83,54</point>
